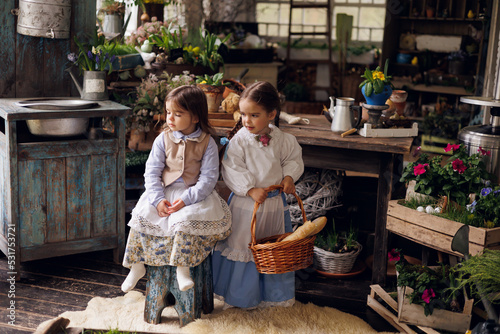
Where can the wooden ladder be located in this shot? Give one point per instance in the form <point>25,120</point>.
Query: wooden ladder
<point>326,4</point>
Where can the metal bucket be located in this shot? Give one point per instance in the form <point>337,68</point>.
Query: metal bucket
<point>44,18</point>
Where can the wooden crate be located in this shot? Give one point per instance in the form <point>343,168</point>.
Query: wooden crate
<point>439,319</point>
<point>436,232</point>
<point>221,119</point>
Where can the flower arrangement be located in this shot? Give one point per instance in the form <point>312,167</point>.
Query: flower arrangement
<point>151,95</point>
<point>263,139</point>
<point>143,33</point>
<point>211,80</point>
<point>112,7</point>
<point>459,55</point>
<point>461,176</point>
<point>432,289</point>
<point>375,80</point>
<point>95,55</point>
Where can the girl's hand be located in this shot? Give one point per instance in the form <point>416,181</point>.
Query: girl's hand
<point>288,185</point>
<point>259,195</point>
<point>162,208</point>
<point>176,206</point>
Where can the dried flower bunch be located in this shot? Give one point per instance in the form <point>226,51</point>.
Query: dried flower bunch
<point>461,176</point>
<point>112,7</point>
<point>151,95</point>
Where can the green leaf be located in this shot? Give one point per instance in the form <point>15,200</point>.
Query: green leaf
<point>369,89</point>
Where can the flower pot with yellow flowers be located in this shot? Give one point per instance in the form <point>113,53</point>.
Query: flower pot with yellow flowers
<point>213,87</point>
<point>377,87</point>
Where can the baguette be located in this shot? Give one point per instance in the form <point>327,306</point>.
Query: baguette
<point>308,229</point>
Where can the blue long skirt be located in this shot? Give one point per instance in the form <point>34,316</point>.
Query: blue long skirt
<point>241,285</point>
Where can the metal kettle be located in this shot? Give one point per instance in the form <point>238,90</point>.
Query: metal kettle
<point>341,114</point>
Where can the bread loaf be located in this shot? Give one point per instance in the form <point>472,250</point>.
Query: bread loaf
<point>307,229</point>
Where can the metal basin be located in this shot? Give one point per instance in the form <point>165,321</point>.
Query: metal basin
<point>60,127</point>
<point>57,127</point>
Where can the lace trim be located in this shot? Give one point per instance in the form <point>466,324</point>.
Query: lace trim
<point>240,255</point>
<point>263,304</point>
<point>275,133</point>
<point>194,227</point>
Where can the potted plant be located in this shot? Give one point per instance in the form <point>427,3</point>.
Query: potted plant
<point>114,12</point>
<point>94,59</point>
<point>377,86</point>
<point>336,253</point>
<point>450,189</point>
<point>456,62</point>
<point>429,296</point>
<point>213,87</point>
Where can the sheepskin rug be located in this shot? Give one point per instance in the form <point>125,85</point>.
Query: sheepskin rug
<point>126,313</point>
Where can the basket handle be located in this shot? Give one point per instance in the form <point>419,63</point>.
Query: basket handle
<point>256,207</point>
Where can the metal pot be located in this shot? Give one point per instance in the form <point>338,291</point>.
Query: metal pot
<point>44,18</point>
<point>485,136</point>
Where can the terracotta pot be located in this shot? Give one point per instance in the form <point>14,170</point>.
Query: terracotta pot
<point>234,87</point>
<point>214,96</point>
<point>398,97</point>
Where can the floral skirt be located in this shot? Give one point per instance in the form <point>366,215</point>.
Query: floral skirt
<point>181,249</point>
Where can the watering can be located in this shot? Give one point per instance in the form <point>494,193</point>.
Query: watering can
<point>94,85</point>
<point>341,114</point>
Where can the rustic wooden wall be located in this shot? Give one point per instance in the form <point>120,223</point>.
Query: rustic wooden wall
<point>34,66</point>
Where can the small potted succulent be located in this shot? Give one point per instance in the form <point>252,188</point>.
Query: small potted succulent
<point>377,87</point>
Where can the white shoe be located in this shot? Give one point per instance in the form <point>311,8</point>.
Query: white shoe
<point>184,278</point>
<point>137,271</point>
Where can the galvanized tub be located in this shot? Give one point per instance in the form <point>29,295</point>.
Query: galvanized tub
<point>44,18</point>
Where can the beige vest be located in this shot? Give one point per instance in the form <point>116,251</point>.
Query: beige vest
<point>183,158</point>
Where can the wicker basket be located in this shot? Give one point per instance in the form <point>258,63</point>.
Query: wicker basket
<point>273,256</point>
<point>335,263</point>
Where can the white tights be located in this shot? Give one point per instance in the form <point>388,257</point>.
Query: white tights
<point>138,270</point>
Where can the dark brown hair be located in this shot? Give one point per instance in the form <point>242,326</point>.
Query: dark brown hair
<point>265,95</point>
<point>191,98</point>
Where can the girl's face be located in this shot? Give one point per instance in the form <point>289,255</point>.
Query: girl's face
<point>180,120</point>
<point>254,117</point>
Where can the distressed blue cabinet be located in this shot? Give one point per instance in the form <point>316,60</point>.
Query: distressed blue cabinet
<point>61,195</point>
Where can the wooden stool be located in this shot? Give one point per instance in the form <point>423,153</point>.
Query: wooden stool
<point>162,286</point>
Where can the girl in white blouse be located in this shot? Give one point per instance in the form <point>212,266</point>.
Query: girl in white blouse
<point>258,156</point>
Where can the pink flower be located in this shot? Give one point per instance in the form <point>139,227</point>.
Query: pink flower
<point>394,255</point>
<point>264,139</point>
<point>453,147</point>
<point>458,166</point>
<point>419,169</point>
<point>484,152</point>
<point>427,295</point>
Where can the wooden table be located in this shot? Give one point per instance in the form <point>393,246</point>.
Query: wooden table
<point>321,148</point>
<point>61,195</point>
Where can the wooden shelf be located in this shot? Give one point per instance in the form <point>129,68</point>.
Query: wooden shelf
<point>439,89</point>
<point>449,19</point>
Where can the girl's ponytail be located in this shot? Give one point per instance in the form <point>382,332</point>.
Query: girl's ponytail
<point>235,129</point>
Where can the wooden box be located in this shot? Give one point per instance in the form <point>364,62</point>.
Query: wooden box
<point>61,195</point>
<point>221,119</point>
<point>440,319</point>
<point>436,232</point>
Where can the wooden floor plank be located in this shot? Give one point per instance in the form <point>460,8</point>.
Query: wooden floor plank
<point>26,319</point>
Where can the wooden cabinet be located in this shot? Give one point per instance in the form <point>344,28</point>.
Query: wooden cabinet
<point>429,31</point>
<point>61,195</point>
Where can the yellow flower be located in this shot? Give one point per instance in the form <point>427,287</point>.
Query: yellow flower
<point>378,75</point>
<point>196,50</point>
<point>489,224</point>
<point>94,51</point>
<point>203,82</point>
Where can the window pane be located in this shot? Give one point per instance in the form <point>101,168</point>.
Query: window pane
<point>353,1</point>
<point>284,13</point>
<point>266,12</point>
<point>372,17</point>
<point>284,31</point>
<point>364,34</point>
<point>272,29</point>
<point>377,35</point>
<point>263,29</point>
<point>315,16</point>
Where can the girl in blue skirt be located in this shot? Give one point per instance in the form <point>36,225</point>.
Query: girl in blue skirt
<point>258,155</point>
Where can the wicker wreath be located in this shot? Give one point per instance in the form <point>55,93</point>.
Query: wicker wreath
<point>319,190</point>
